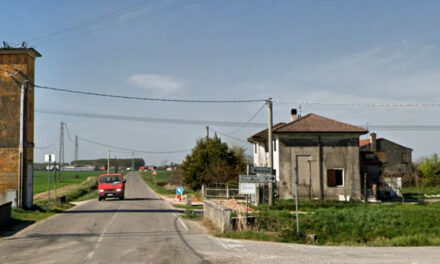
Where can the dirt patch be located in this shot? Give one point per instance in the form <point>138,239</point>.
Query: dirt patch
<point>234,205</point>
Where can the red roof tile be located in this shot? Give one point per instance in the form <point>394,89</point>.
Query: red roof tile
<point>313,123</point>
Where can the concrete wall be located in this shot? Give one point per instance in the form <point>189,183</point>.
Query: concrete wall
<point>5,213</point>
<point>218,214</point>
<point>316,154</point>
<point>395,165</point>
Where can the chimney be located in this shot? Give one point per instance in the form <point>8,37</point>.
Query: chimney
<point>373,141</point>
<point>294,114</point>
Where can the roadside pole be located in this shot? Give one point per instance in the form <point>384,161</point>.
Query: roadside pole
<point>108,161</point>
<point>296,198</point>
<point>270,141</point>
<point>55,180</point>
<point>48,180</point>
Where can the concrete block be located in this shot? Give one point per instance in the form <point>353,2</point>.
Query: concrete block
<point>218,214</point>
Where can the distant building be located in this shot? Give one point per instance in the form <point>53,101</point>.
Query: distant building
<point>324,152</point>
<point>386,164</point>
<point>16,168</point>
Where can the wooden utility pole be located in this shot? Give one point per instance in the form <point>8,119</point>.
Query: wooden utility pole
<point>270,139</point>
<point>207,133</point>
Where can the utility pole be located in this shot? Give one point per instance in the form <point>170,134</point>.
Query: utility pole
<point>270,139</point>
<point>108,161</point>
<point>76,155</point>
<point>132,160</point>
<point>207,133</point>
<point>22,152</point>
<point>61,160</point>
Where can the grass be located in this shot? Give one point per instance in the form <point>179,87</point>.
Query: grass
<point>148,177</point>
<point>339,223</point>
<point>413,192</point>
<point>68,178</point>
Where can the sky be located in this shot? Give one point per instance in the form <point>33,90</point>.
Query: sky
<point>374,52</point>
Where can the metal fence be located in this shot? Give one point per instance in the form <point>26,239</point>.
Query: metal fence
<point>220,191</point>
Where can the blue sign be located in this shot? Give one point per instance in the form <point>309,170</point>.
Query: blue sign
<point>179,190</point>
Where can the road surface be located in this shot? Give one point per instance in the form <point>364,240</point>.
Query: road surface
<point>145,229</point>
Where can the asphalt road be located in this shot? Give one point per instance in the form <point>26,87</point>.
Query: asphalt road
<point>145,229</point>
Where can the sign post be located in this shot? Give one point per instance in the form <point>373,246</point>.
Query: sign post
<point>154,176</point>
<point>179,192</point>
<point>48,158</point>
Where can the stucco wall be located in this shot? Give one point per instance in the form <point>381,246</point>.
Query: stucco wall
<point>339,151</point>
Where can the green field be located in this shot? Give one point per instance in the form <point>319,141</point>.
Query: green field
<point>68,178</point>
<point>353,223</point>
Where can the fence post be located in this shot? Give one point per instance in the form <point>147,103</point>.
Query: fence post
<point>203,191</point>
<point>227,191</point>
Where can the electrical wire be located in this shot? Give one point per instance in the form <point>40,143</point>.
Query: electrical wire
<point>229,136</point>
<point>46,147</point>
<point>358,104</point>
<point>249,121</point>
<point>150,119</point>
<point>109,16</point>
<point>132,150</point>
<point>148,98</point>
<point>118,24</point>
<point>68,133</point>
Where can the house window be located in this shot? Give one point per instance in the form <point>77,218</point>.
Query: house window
<point>335,178</point>
<point>405,158</point>
<point>274,145</point>
<point>255,148</point>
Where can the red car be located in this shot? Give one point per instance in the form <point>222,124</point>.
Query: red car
<point>111,185</point>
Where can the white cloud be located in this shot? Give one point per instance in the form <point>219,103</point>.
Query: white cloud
<point>156,84</point>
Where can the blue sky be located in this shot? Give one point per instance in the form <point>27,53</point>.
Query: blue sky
<point>325,51</point>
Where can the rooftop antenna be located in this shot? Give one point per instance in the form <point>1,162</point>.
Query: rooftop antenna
<point>300,111</point>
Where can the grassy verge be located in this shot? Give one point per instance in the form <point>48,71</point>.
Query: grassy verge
<point>413,192</point>
<point>68,178</point>
<point>337,223</point>
<point>148,177</point>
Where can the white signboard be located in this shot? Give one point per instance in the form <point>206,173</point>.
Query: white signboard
<point>49,157</point>
<point>247,188</point>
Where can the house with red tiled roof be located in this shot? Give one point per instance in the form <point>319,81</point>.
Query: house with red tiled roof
<point>322,152</point>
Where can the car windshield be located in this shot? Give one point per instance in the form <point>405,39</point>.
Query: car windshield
<point>110,179</point>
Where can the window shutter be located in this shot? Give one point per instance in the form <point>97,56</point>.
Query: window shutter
<point>331,178</point>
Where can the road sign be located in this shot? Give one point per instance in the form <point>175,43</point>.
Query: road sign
<point>256,178</point>
<point>247,188</point>
<point>179,190</point>
<point>49,157</point>
<point>261,170</point>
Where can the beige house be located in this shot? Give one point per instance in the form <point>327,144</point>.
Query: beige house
<point>323,152</point>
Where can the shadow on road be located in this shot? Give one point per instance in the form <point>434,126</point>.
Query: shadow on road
<point>13,227</point>
<point>94,211</point>
<point>137,199</point>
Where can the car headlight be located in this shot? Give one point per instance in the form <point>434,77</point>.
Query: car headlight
<point>118,190</point>
<point>101,190</point>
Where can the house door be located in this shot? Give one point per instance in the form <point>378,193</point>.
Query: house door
<point>304,176</point>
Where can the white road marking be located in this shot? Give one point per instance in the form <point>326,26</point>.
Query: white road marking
<point>181,222</point>
<point>101,237</point>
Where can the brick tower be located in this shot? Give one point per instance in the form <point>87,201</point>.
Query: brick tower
<point>17,67</point>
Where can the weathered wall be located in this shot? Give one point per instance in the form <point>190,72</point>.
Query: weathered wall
<point>11,62</point>
<point>218,214</point>
<point>325,151</point>
<point>395,165</point>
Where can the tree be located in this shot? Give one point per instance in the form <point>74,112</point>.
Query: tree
<point>429,168</point>
<point>212,161</point>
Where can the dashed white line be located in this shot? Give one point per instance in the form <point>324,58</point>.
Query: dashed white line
<point>101,237</point>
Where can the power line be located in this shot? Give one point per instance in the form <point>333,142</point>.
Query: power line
<point>229,136</point>
<point>46,147</point>
<point>358,104</point>
<point>149,98</point>
<point>119,12</point>
<point>132,150</point>
<point>121,23</point>
<point>68,133</point>
<point>151,119</point>
<point>249,121</point>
